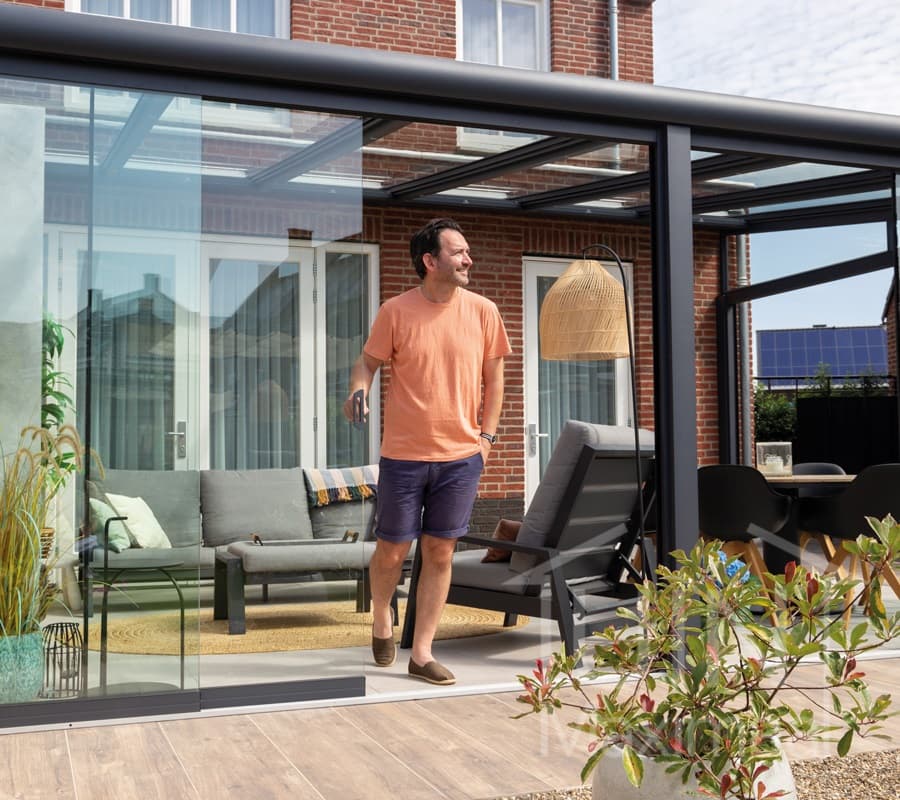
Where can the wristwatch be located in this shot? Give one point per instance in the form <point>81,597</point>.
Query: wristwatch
<point>491,437</point>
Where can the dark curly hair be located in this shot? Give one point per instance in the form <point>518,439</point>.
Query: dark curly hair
<point>428,240</point>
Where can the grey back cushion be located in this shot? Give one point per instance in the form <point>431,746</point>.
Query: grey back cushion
<point>268,502</point>
<point>542,510</point>
<point>173,497</point>
<point>335,519</point>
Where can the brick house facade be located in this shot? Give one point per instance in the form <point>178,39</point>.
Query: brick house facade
<point>579,44</point>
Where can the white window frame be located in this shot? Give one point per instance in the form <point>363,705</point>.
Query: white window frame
<point>181,12</point>
<point>502,140</point>
<point>233,115</point>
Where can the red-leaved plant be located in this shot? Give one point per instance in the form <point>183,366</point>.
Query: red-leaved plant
<point>702,680</point>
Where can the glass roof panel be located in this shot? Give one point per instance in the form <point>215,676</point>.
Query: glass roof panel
<point>773,176</point>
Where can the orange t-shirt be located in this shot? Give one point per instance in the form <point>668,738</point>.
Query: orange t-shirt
<point>436,352</point>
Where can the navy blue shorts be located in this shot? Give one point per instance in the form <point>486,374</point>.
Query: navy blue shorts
<point>433,497</point>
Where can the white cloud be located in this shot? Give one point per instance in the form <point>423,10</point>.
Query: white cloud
<point>839,53</point>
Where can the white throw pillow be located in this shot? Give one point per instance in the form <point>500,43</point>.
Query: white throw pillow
<point>143,527</point>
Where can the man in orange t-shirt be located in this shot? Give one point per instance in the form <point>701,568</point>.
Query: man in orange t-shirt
<point>446,347</point>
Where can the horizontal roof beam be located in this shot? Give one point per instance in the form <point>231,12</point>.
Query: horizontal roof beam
<point>144,116</point>
<point>834,186</point>
<point>341,142</point>
<point>529,155</point>
<point>812,277</point>
<point>234,62</point>
<point>701,169</point>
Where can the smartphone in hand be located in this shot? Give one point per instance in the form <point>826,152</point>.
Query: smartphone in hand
<point>359,405</point>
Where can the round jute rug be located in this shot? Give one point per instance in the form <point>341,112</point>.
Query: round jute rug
<point>274,628</point>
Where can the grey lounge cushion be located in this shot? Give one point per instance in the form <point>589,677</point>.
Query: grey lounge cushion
<point>196,561</point>
<point>470,570</point>
<point>173,496</point>
<point>544,504</point>
<point>268,502</point>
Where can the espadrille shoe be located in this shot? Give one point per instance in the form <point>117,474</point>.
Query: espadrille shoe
<point>384,651</point>
<point>433,672</point>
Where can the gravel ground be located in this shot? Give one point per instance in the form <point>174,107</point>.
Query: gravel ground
<point>865,776</point>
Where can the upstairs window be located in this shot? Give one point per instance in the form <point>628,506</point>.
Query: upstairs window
<point>506,33</point>
<point>260,17</point>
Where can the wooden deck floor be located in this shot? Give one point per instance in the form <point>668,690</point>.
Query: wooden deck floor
<point>461,747</point>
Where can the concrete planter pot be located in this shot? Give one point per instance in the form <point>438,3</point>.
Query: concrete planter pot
<point>21,667</point>
<point>611,783</point>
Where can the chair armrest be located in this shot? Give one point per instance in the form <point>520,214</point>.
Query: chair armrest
<point>513,547</point>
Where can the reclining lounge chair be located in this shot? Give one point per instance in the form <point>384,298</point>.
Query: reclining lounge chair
<point>571,558</point>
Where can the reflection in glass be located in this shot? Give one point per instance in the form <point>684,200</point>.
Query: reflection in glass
<point>346,329</point>
<point>254,369</point>
<point>582,390</point>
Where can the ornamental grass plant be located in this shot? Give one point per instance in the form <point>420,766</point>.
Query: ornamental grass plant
<point>705,687</point>
<point>29,483</point>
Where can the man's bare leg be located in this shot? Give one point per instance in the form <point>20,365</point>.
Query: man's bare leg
<point>431,594</point>
<point>384,575</point>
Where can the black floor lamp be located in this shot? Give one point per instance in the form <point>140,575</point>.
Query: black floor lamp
<point>586,316</point>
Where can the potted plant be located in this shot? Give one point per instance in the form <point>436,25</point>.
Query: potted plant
<point>28,485</point>
<point>706,693</point>
<point>56,400</point>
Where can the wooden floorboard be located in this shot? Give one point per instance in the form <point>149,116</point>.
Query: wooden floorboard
<point>340,758</point>
<point>453,748</point>
<point>118,761</point>
<point>34,766</point>
<point>232,757</point>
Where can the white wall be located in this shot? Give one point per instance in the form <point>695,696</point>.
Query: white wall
<point>21,268</point>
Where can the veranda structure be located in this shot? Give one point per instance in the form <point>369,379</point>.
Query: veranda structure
<point>122,130</point>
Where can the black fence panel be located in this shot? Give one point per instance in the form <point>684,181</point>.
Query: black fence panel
<point>854,432</point>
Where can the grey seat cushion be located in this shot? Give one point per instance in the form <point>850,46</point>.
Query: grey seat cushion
<point>469,570</point>
<point>268,502</point>
<point>543,507</point>
<point>196,562</point>
<point>173,496</point>
<point>307,556</point>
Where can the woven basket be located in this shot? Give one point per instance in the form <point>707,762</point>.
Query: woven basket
<point>583,315</point>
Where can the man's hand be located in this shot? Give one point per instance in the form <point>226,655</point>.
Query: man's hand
<point>350,410</point>
<point>485,449</point>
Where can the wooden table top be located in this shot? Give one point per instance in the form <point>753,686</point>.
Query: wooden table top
<point>800,480</point>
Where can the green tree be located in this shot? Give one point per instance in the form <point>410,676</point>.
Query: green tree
<point>775,416</point>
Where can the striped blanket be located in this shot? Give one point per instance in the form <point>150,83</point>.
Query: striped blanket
<point>325,486</point>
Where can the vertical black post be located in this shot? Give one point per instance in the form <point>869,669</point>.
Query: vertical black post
<point>674,354</point>
<point>892,243</point>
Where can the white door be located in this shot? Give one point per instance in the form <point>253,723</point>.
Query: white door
<point>555,391</point>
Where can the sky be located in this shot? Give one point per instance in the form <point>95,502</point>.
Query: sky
<point>823,52</point>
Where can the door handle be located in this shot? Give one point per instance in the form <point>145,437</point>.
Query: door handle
<point>180,438</point>
<point>533,436</point>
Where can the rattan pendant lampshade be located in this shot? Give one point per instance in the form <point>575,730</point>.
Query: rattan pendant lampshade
<point>583,316</point>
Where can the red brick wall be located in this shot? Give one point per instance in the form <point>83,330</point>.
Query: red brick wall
<point>579,31</point>
<point>890,325</point>
<point>427,27</point>
<point>579,36</point>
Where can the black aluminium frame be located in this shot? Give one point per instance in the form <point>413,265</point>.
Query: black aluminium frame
<point>49,45</point>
